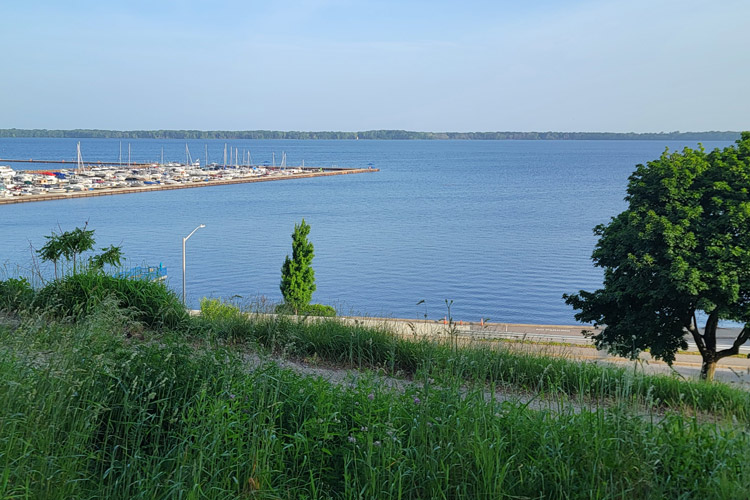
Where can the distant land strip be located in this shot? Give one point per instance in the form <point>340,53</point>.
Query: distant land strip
<point>365,135</point>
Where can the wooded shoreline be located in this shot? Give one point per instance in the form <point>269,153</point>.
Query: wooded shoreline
<point>365,135</point>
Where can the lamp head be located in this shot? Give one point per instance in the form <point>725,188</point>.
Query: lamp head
<point>202,225</point>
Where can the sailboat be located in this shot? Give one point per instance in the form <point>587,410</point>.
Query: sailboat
<point>190,162</point>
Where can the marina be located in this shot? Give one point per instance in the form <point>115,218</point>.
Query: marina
<point>98,179</point>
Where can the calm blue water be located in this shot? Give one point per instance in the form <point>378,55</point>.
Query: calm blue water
<point>502,228</point>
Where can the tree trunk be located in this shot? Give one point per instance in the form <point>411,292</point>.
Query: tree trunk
<point>707,369</point>
<point>706,343</point>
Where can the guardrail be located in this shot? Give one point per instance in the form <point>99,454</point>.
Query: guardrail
<point>151,273</point>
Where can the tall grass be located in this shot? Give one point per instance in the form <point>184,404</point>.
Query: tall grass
<point>76,295</point>
<point>379,349</point>
<point>87,413</point>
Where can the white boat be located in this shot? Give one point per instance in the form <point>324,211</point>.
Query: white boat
<point>6,173</point>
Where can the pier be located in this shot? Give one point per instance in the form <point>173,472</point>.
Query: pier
<point>275,175</point>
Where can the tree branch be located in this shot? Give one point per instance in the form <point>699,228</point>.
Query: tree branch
<point>697,336</point>
<point>743,337</point>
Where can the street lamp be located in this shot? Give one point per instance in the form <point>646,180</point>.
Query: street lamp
<point>183,260</point>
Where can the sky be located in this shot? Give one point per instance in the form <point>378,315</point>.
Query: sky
<point>313,65</point>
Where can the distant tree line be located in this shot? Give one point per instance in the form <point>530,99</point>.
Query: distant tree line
<point>369,134</point>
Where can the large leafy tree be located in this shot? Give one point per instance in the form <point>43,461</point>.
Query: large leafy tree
<point>297,274</point>
<point>681,247</point>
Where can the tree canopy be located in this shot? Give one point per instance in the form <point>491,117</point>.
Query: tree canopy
<point>70,245</point>
<point>681,247</point>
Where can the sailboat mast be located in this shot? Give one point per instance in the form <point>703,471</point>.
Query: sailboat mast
<point>79,161</point>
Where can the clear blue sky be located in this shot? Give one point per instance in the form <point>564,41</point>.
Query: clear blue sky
<point>621,65</point>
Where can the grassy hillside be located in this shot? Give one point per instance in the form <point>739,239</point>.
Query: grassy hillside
<point>104,402</point>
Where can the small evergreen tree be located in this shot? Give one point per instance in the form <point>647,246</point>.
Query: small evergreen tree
<point>297,275</point>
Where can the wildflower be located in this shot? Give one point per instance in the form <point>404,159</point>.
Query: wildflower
<point>352,439</point>
<point>371,396</point>
<point>363,428</point>
<point>417,400</point>
<point>232,396</point>
<point>376,444</point>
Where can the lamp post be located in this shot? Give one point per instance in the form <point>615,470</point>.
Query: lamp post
<point>183,260</point>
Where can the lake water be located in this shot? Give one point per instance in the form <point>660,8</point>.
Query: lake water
<point>501,228</point>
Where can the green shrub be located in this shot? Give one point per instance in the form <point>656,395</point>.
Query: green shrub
<point>308,310</point>
<point>216,310</point>
<point>15,294</point>
<point>77,295</point>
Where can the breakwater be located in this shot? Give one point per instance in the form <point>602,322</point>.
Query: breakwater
<point>277,176</point>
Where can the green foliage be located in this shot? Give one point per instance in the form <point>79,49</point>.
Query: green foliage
<point>77,295</point>
<point>52,251</point>
<point>111,255</point>
<point>378,349</point>
<point>97,416</point>
<point>71,244</point>
<point>297,274</point>
<point>222,319</point>
<point>308,310</point>
<point>16,294</point>
<point>683,245</point>
<point>216,310</point>
<point>75,242</point>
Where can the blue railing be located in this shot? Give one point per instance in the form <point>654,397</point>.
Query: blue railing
<point>151,273</point>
